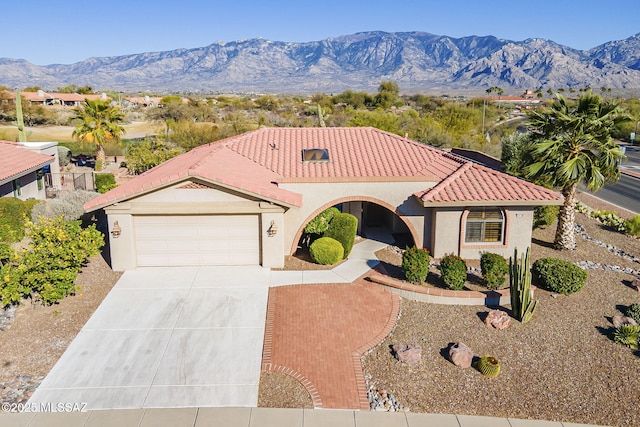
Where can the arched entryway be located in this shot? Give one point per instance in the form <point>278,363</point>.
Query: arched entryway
<point>377,220</point>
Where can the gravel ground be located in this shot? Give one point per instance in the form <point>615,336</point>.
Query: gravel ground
<point>39,335</point>
<point>561,366</point>
<point>279,390</point>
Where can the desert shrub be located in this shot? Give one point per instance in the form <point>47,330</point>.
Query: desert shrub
<point>47,271</point>
<point>557,275</point>
<point>632,226</point>
<point>544,216</point>
<point>633,311</point>
<point>57,252</point>
<point>320,223</point>
<point>494,270</point>
<point>11,288</point>
<point>610,219</point>
<point>64,155</point>
<point>415,264</point>
<point>343,227</point>
<point>627,335</point>
<point>326,251</point>
<point>68,205</point>
<point>105,182</point>
<point>12,217</point>
<point>453,270</point>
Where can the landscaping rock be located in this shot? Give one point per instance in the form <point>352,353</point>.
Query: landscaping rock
<point>460,355</point>
<point>408,353</point>
<point>636,284</point>
<point>497,319</point>
<point>622,320</point>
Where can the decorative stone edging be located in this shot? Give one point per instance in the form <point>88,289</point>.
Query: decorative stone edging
<point>444,296</point>
<point>580,231</point>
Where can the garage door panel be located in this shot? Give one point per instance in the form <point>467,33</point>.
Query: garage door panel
<point>197,240</point>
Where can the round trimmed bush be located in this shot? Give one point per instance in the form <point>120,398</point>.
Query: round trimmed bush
<point>453,270</point>
<point>557,275</point>
<point>326,251</point>
<point>494,270</point>
<point>343,227</point>
<point>415,264</point>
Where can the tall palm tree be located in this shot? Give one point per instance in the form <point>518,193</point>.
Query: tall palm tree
<point>99,124</point>
<point>574,145</point>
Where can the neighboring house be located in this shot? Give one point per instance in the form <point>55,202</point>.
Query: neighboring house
<point>246,199</point>
<point>50,99</point>
<point>22,170</point>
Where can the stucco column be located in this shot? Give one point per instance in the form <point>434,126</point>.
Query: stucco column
<point>272,238</point>
<point>122,249</point>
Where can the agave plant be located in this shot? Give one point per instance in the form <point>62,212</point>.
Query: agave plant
<point>627,335</point>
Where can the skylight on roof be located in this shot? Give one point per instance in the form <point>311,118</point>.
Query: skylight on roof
<point>315,155</point>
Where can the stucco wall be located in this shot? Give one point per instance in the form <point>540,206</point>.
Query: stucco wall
<point>192,202</point>
<point>398,195</point>
<point>448,233</point>
<point>28,187</point>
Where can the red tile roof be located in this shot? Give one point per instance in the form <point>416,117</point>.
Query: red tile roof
<point>476,184</point>
<point>255,162</point>
<point>16,161</point>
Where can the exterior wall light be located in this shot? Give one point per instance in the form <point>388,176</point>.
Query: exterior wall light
<point>272,230</point>
<point>116,230</point>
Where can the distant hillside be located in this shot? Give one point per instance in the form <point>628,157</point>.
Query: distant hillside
<point>417,61</point>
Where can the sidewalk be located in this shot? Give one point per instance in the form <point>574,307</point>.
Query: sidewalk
<point>260,417</point>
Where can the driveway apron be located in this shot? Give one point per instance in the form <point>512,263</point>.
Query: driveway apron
<point>168,337</point>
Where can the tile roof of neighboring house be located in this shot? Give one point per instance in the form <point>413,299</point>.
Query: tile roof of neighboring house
<point>15,161</point>
<point>474,184</point>
<point>255,162</point>
<point>74,97</point>
<point>35,96</point>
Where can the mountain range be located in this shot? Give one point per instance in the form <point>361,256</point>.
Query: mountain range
<point>417,61</point>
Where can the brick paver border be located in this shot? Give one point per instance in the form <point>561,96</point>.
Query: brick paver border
<point>356,356</point>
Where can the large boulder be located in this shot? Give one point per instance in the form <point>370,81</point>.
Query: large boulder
<point>408,353</point>
<point>497,319</point>
<point>460,355</point>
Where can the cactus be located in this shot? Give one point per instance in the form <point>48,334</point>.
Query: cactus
<point>322,116</point>
<point>489,366</point>
<point>22,136</point>
<point>522,307</point>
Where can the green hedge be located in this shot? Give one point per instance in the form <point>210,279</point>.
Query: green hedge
<point>557,275</point>
<point>320,223</point>
<point>47,271</point>
<point>343,227</point>
<point>453,270</point>
<point>105,182</point>
<point>13,214</point>
<point>544,216</point>
<point>326,251</point>
<point>494,270</point>
<point>415,264</point>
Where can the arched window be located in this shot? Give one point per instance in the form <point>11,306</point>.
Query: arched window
<point>485,224</point>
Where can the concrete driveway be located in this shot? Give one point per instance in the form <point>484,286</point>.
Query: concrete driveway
<point>168,337</point>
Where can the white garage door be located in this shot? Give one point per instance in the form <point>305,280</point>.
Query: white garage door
<point>197,240</point>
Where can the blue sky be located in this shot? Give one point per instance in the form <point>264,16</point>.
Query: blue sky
<point>67,31</point>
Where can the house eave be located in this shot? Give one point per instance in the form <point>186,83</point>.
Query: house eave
<point>454,204</point>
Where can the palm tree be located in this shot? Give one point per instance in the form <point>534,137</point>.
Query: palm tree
<point>574,145</point>
<point>99,124</point>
